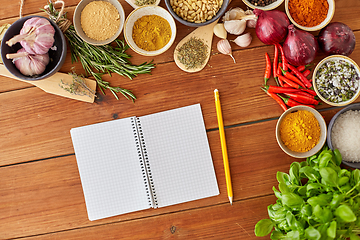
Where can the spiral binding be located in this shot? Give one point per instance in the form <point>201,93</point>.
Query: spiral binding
<point>144,162</point>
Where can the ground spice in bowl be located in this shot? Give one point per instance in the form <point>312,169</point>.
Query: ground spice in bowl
<point>151,32</point>
<point>308,13</point>
<point>100,20</point>
<point>300,131</point>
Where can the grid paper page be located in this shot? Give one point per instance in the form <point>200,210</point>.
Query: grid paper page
<point>179,155</point>
<point>109,168</point>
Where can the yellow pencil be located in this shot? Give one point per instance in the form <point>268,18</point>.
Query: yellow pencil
<point>223,145</point>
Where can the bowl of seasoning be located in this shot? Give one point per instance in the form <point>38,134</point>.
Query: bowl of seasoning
<point>336,80</point>
<point>150,30</point>
<point>301,131</point>
<point>33,58</point>
<point>196,13</point>
<point>343,134</point>
<point>310,15</point>
<point>263,4</point>
<point>99,22</point>
<point>140,3</point>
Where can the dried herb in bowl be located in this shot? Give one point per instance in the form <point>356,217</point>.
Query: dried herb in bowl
<point>193,53</point>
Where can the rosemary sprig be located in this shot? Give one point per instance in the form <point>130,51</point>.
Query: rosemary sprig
<point>99,60</point>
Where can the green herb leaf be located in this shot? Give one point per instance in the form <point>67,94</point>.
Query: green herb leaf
<point>331,231</point>
<point>312,234</point>
<point>329,176</point>
<point>263,227</point>
<point>292,200</point>
<point>345,213</point>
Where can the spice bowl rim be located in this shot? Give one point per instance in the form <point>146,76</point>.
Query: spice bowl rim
<point>354,106</point>
<point>220,13</point>
<point>265,8</point>
<point>57,56</point>
<point>315,86</point>
<point>132,3</point>
<point>326,21</point>
<point>143,11</point>
<point>323,131</point>
<point>77,22</point>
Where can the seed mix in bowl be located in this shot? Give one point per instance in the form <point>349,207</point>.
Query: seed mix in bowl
<point>196,11</point>
<point>337,80</point>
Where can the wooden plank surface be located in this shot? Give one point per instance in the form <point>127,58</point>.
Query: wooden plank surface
<point>40,190</point>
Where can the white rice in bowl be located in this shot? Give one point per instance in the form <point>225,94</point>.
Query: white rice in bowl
<point>345,135</point>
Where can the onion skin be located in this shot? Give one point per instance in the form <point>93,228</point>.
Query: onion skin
<point>337,38</point>
<point>300,47</point>
<point>271,26</point>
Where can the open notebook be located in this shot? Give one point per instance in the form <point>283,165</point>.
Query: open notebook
<point>152,161</point>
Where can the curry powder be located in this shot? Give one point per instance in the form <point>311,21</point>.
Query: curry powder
<point>308,13</point>
<point>300,131</point>
<point>151,32</point>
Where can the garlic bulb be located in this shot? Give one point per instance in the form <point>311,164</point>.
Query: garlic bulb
<point>243,40</point>
<point>29,64</point>
<point>234,14</point>
<point>36,36</point>
<point>235,27</point>
<point>224,47</point>
<point>220,31</point>
<point>251,23</point>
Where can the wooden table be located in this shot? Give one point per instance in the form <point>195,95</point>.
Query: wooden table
<point>40,191</point>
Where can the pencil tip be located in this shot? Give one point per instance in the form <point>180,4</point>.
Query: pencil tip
<point>231,200</point>
<point>216,90</point>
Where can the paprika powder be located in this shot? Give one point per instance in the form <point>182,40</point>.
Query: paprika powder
<point>308,13</point>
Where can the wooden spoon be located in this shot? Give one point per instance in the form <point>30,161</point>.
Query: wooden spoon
<point>52,84</point>
<point>205,33</point>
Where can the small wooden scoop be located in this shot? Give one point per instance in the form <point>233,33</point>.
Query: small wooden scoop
<point>205,33</point>
<point>52,84</point>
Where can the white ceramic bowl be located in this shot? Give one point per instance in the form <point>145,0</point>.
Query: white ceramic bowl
<point>144,11</point>
<point>323,133</point>
<point>79,30</point>
<point>266,8</point>
<point>132,3</point>
<point>329,58</point>
<point>327,20</point>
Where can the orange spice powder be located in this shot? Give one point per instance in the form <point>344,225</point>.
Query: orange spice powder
<point>308,13</point>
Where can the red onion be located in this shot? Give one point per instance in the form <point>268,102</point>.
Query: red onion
<point>337,38</point>
<point>36,36</point>
<point>271,26</point>
<point>300,47</point>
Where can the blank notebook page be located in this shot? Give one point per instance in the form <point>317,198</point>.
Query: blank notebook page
<point>179,155</point>
<point>109,168</point>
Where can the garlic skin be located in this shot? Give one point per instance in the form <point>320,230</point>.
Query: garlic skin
<point>224,47</point>
<point>234,14</point>
<point>220,31</point>
<point>29,64</point>
<point>36,36</point>
<point>243,40</point>
<point>251,23</point>
<point>235,27</point>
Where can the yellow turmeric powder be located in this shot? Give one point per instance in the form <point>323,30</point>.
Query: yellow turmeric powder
<point>151,32</point>
<point>300,131</point>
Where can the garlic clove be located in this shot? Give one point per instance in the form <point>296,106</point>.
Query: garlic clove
<point>235,27</point>
<point>234,14</point>
<point>251,23</point>
<point>243,40</point>
<point>29,64</point>
<point>220,31</point>
<point>224,47</point>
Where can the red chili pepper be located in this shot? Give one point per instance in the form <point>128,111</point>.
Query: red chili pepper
<point>312,92</point>
<point>303,67</point>
<point>288,81</point>
<point>304,94</point>
<point>302,99</point>
<point>278,72</point>
<point>275,62</point>
<point>292,78</point>
<point>306,73</point>
<point>287,85</point>
<point>292,103</point>
<point>283,59</point>
<point>267,68</point>
<point>299,75</point>
<point>277,99</point>
<point>276,89</point>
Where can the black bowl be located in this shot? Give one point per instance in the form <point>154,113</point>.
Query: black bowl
<point>354,106</point>
<point>191,24</point>
<point>57,57</point>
